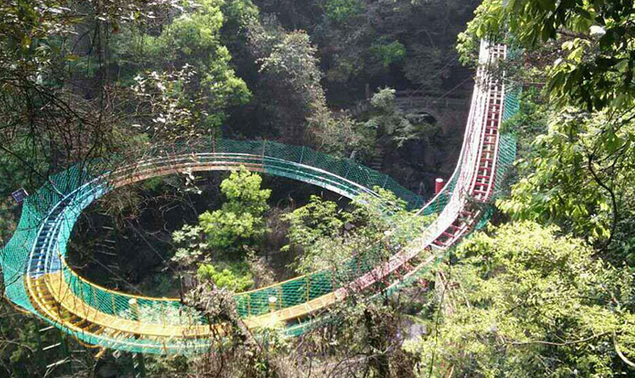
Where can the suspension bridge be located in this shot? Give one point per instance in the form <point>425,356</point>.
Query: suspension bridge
<point>39,281</point>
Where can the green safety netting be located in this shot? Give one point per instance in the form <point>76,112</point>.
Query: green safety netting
<point>59,203</point>
<point>506,157</point>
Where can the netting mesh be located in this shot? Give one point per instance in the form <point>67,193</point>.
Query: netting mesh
<point>48,216</point>
<point>506,151</point>
<point>506,157</point>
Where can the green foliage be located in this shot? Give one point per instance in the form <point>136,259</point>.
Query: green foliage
<point>361,39</point>
<point>293,56</point>
<point>579,173</point>
<point>595,69</point>
<point>170,111</point>
<point>227,230</point>
<point>388,120</point>
<point>15,176</point>
<point>233,228</point>
<point>20,343</point>
<point>369,326</point>
<point>236,277</point>
<point>7,221</point>
<point>290,66</point>
<point>166,365</point>
<point>338,134</point>
<point>27,31</point>
<point>384,101</point>
<point>318,219</point>
<point>238,15</point>
<point>358,42</point>
<point>291,88</point>
<point>525,302</point>
<point>189,237</point>
<point>240,220</point>
<point>388,53</point>
<point>192,40</point>
<point>558,185</point>
<point>318,229</point>
<point>240,12</point>
<point>243,193</point>
<point>576,174</point>
<point>41,104</point>
<point>327,235</point>
<point>343,10</point>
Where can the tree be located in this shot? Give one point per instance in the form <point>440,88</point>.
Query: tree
<point>164,110</point>
<point>291,91</point>
<point>235,351</point>
<point>388,121</point>
<point>191,42</point>
<point>243,193</point>
<point>363,331</point>
<point>339,134</point>
<point>291,73</point>
<point>47,123</point>
<point>579,179</point>
<point>237,225</point>
<point>526,302</point>
<point>595,68</point>
<point>570,181</point>
<point>328,236</point>
<point>316,228</point>
<point>363,41</point>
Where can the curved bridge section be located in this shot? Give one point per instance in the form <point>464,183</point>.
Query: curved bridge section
<point>38,279</point>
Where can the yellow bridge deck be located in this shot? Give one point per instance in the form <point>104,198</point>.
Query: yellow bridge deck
<point>52,293</point>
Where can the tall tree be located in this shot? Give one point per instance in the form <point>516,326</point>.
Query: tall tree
<point>522,301</point>
<point>189,47</point>
<point>583,52</point>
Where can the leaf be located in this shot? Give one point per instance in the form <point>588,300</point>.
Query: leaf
<point>622,65</point>
<point>613,143</point>
<point>584,13</point>
<point>26,42</point>
<point>556,82</point>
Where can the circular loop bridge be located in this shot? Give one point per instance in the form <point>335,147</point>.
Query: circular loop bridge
<point>38,279</point>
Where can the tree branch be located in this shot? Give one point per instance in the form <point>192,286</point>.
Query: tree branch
<point>613,198</point>
<point>560,344</point>
<point>620,354</point>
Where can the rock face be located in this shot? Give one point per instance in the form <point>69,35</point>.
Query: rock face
<point>419,162</point>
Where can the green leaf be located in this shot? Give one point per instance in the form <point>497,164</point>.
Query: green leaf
<point>25,43</point>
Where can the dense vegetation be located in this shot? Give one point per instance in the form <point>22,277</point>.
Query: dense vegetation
<point>546,290</point>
